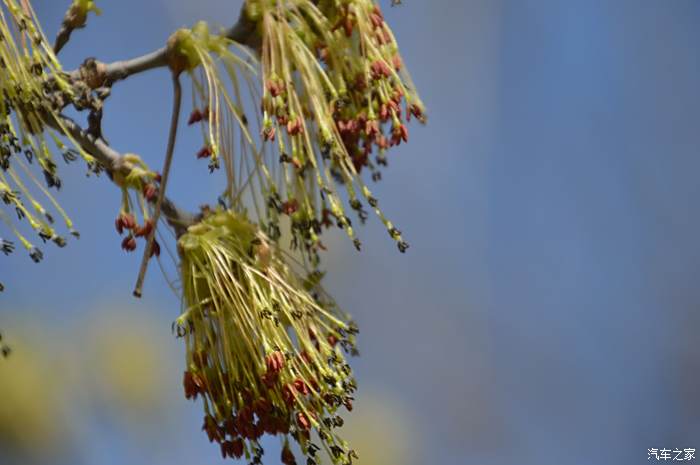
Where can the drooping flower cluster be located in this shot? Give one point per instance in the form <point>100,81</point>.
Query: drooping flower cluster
<point>203,55</point>
<point>335,93</point>
<point>265,347</point>
<point>139,186</point>
<point>335,96</point>
<point>33,90</point>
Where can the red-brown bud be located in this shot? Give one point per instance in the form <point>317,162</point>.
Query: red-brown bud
<point>288,395</point>
<point>274,362</point>
<point>195,117</point>
<point>269,133</point>
<point>399,133</point>
<point>380,69</point>
<point>233,449</point>
<point>301,387</point>
<point>204,152</point>
<point>347,402</point>
<point>145,230</point>
<point>193,384</point>
<point>124,221</point>
<point>129,244</point>
<point>230,427</point>
<point>290,206</point>
<point>150,191</point>
<point>295,126</point>
<point>212,429</point>
<point>303,421</point>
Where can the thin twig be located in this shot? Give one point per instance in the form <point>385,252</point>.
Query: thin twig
<point>177,100</point>
<point>243,32</point>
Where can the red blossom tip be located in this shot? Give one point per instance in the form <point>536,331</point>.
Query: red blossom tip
<point>204,152</point>
<point>129,244</point>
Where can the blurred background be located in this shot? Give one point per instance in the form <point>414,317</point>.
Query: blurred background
<point>545,312</point>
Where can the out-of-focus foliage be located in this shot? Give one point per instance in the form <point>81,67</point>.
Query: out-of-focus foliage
<point>34,398</point>
<point>128,362</point>
<point>383,431</point>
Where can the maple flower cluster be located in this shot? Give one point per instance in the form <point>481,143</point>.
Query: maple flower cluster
<point>33,92</point>
<point>139,187</point>
<point>336,97</point>
<point>265,346</point>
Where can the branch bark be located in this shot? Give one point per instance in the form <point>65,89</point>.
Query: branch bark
<point>243,32</point>
<point>113,162</point>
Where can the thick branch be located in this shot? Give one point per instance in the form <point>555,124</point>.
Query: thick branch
<point>242,32</point>
<point>114,162</point>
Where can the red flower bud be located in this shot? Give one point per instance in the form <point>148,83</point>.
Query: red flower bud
<point>270,379</point>
<point>347,402</point>
<point>380,69</point>
<point>127,220</point>
<point>348,25</point>
<point>193,385</point>
<point>212,429</point>
<point>290,206</point>
<point>275,88</point>
<point>129,244</point>
<point>301,387</point>
<point>378,12</point>
<point>399,133</point>
<point>288,395</point>
<point>303,421</point>
<point>295,126</point>
<point>119,226</point>
<point>230,427</point>
<point>237,448</point>
<point>204,152</point>
<point>269,133</point>
<point>416,111</point>
<point>372,128</point>
<point>376,20</point>
<point>145,230</point>
<point>274,362</point>
<point>150,191</point>
<point>195,117</point>
<point>233,449</point>
<point>262,407</point>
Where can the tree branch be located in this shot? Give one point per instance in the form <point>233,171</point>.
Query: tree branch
<point>177,100</point>
<point>243,32</point>
<point>113,162</point>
